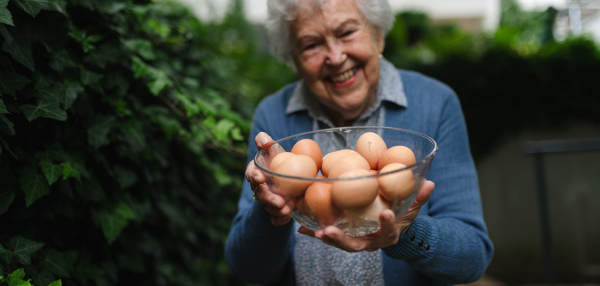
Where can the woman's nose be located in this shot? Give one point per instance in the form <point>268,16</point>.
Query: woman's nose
<point>336,54</point>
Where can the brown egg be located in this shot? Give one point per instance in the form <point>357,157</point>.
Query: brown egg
<point>309,148</point>
<point>354,194</point>
<point>348,162</point>
<point>318,200</point>
<point>371,146</point>
<point>397,154</point>
<point>278,159</point>
<point>399,185</point>
<point>300,206</point>
<point>332,157</point>
<point>297,166</point>
<point>372,211</point>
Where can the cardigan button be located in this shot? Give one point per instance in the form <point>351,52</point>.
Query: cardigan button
<point>412,237</point>
<point>426,246</point>
<point>420,242</point>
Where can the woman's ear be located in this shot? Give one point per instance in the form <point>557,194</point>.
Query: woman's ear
<point>379,39</point>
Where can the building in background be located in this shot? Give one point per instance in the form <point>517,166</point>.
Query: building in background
<point>574,17</point>
<point>470,14</point>
<point>578,17</point>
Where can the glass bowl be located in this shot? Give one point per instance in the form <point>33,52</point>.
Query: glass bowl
<point>311,197</point>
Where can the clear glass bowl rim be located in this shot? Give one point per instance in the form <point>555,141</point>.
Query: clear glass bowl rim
<point>342,129</point>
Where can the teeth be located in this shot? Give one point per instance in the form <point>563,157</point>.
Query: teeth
<point>343,77</point>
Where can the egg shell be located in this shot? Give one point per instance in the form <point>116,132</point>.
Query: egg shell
<point>372,211</point>
<point>278,159</point>
<point>399,185</point>
<point>297,166</point>
<point>348,162</point>
<point>354,194</point>
<point>370,145</point>
<point>332,157</point>
<point>300,206</point>
<point>309,148</point>
<point>397,154</point>
<point>318,200</point>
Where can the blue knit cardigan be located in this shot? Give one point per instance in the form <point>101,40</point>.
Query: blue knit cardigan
<point>451,223</point>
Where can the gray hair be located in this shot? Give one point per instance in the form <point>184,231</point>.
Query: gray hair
<point>281,12</point>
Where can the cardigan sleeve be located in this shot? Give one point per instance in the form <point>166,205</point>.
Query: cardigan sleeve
<point>256,250</point>
<point>448,241</point>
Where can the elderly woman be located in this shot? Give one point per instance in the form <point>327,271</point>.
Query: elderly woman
<point>335,46</point>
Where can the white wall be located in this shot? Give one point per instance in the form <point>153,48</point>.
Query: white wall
<point>256,10</point>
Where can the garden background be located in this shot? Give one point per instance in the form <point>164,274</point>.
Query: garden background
<point>123,128</point>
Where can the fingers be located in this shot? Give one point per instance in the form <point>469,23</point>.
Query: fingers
<point>263,140</point>
<point>389,232</point>
<point>254,176</point>
<point>304,230</point>
<point>425,192</point>
<point>274,204</point>
<point>337,238</point>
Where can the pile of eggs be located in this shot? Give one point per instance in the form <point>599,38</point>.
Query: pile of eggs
<point>364,197</point>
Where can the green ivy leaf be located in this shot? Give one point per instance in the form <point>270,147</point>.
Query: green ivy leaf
<point>5,16</point>
<point>6,125</point>
<point>110,7</point>
<point>152,26</point>
<point>59,263</point>
<point>142,47</point>
<point>88,77</point>
<point>125,177</point>
<point>56,283</point>
<point>3,109</point>
<point>140,68</point>
<point>6,199</point>
<point>20,52</point>
<point>71,93</point>
<point>236,134</point>
<point>11,82</point>
<point>159,81</point>
<point>5,254</point>
<point>222,129</point>
<point>51,171</point>
<point>9,186</point>
<point>69,172</point>
<point>112,223</point>
<point>19,282</point>
<point>97,134</point>
<point>86,41</point>
<point>48,108</point>
<point>32,7</point>
<point>23,248</point>
<point>18,273</point>
<point>33,184</point>
<point>57,5</point>
<point>134,130</point>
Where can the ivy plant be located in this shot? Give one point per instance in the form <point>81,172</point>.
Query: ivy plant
<point>121,152</point>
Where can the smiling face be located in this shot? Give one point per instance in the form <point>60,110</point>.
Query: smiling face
<point>336,53</point>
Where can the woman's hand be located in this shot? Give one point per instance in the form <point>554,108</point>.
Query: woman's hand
<point>389,231</point>
<point>274,204</point>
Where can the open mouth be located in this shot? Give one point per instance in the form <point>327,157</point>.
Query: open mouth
<point>341,78</point>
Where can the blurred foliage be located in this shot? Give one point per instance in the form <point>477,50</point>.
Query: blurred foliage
<point>123,130</point>
<point>516,78</point>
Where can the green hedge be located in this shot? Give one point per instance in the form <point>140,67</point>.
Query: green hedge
<point>122,143</point>
<point>503,92</point>
<point>517,78</point>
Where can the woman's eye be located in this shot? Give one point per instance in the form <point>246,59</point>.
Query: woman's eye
<point>347,33</point>
<point>309,46</point>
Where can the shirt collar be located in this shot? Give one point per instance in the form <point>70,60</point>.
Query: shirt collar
<point>389,89</point>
